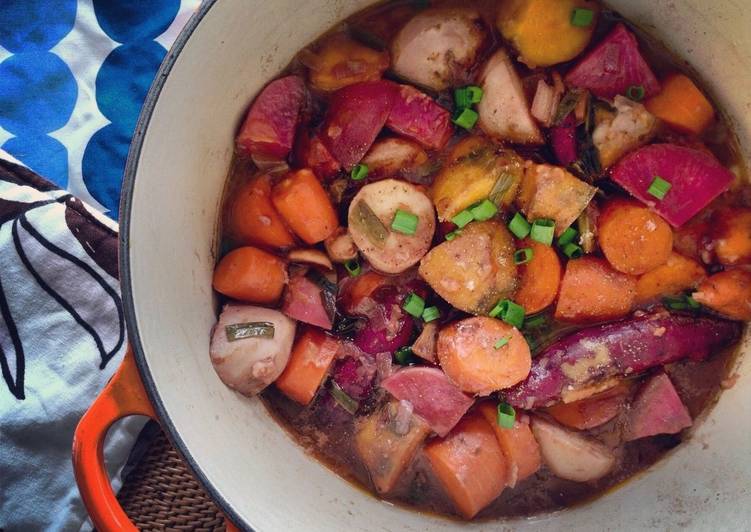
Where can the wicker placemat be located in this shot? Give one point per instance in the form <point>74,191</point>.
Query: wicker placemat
<point>160,493</point>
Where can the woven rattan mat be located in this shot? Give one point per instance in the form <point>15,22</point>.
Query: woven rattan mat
<point>160,493</point>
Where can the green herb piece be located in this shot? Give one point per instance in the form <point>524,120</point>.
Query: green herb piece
<point>414,305</point>
<point>485,210</point>
<point>466,118</point>
<point>506,415</point>
<point>568,236</point>
<point>509,312</point>
<point>635,93</point>
<point>501,342</point>
<point>430,314</point>
<point>463,218</point>
<point>466,96</point>
<point>251,329</point>
<point>453,234</point>
<point>523,256</point>
<point>543,231</point>
<point>404,222</point>
<point>692,303</point>
<point>519,226</point>
<point>534,322</point>
<point>572,251</point>
<point>682,302</point>
<point>359,172</point>
<point>404,356</point>
<point>328,288</point>
<point>659,188</point>
<point>352,267</point>
<point>567,105</point>
<point>369,223</point>
<point>345,401</point>
<point>581,17</point>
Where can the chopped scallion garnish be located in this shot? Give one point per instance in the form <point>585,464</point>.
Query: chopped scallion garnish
<point>519,226</point>
<point>543,231</point>
<point>404,356</point>
<point>582,17</point>
<point>352,267</point>
<point>430,314</point>
<point>252,329</point>
<point>467,96</point>
<point>404,222</point>
<point>463,218</point>
<point>359,171</point>
<point>453,234</point>
<point>414,305</point>
<point>523,256</point>
<point>568,236</point>
<point>345,401</point>
<point>485,210</point>
<point>466,118</point>
<point>501,342</point>
<point>572,251</point>
<point>509,312</point>
<point>635,93</point>
<point>683,302</point>
<point>506,415</point>
<point>659,188</point>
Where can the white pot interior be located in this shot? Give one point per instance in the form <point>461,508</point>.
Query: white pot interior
<point>261,474</point>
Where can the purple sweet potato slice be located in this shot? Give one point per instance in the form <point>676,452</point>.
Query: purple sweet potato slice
<point>657,409</point>
<point>696,178</point>
<point>613,66</point>
<point>417,116</point>
<point>599,354</point>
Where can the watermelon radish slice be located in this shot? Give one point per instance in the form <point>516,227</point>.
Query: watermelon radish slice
<point>696,178</point>
<point>613,66</point>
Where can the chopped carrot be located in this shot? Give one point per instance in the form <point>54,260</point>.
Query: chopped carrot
<point>731,235</point>
<point>634,239</point>
<point>592,411</point>
<point>309,362</point>
<point>681,105</point>
<point>518,444</point>
<point>252,218</point>
<point>540,277</point>
<point>303,203</point>
<point>673,277</point>
<point>469,464</point>
<point>482,355</point>
<point>728,293</point>
<point>250,274</point>
<point>356,290</point>
<point>591,290</point>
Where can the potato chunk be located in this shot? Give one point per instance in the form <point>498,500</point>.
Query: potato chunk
<point>474,270</point>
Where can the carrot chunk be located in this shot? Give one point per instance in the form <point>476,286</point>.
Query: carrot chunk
<point>731,235</point>
<point>591,290</point>
<point>518,445</point>
<point>250,274</point>
<point>675,276</point>
<point>634,239</point>
<point>303,203</point>
<point>592,411</point>
<point>682,105</point>
<point>482,355</point>
<point>728,293</point>
<point>469,464</point>
<point>252,218</point>
<point>540,277</point>
<point>309,362</point>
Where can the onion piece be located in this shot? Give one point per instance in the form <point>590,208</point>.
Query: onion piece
<point>546,101</point>
<point>310,256</point>
<point>403,418</point>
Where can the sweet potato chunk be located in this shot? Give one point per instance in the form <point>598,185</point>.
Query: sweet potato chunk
<point>342,61</point>
<point>673,277</point>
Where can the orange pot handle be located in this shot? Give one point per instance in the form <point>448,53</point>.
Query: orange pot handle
<point>123,396</point>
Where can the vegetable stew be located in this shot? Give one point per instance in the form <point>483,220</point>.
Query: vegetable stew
<point>485,259</point>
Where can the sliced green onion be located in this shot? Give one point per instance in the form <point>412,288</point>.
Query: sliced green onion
<point>501,186</point>
<point>534,322</point>
<point>430,314</point>
<point>360,171</point>
<point>369,223</point>
<point>475,93</point>
<point>352,267</point>
<point>414,305</point>
<point>453,234</point>
<point>345,401</point>
<point>404,356</point>
<point>659,188</point>
<point>503,341</point>
<point>675,303</point>
<point>582,18</point>
<point>485,210</point>
<point>506,415</point>
<point>519,226</point>
<point>543,231</point>
<point>467,118</point>
<point>463,218</point>
<point>252,329</point>
<point>509,312</point>
<point>692,303</point>
<point>573,251</point>
<point>635,93</point>
<point>567,237</point>
<point>523,256</point>
<point>467,96</point>
<point>404,222</point>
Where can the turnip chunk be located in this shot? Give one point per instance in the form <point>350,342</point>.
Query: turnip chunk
<point>657,409</point>
<point>248,365</point>
<point>504,111</point>
<point>571,455</point>
<point>356,115</point>
<point>434,397</point>
<point>268,132</point>
<point>696,178</point>
<point>417,116</point>
<point>594,355</point>
<point>613,66</point>
<point>437,48</point>
<point>394,157</point>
